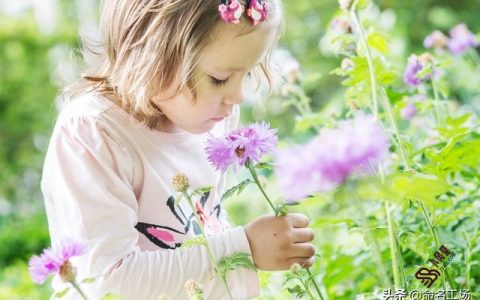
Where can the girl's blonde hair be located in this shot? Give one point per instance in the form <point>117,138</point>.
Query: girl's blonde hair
<point>146,44</point>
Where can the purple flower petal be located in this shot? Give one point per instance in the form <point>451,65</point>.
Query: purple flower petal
<point>409,111</point>
<point>40,267</point>
<point>461,39</point>
<point>324,163</point>
<point>248,143</point>
<point>51,260</point>
<point>413,67</point>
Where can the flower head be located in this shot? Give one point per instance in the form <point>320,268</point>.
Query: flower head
<point>55,260</point>
<point>180,182</point>
<point>461,39</point>
<point>241,145</point>
<point>416,65</point>
<point>409,111</point>
<point>193,288</point>
<point>413,68</point>
<point>341,25</point>
<point>436,40</point>
<point>327,161</point>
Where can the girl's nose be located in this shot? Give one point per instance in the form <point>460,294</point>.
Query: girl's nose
<point>235,96</point>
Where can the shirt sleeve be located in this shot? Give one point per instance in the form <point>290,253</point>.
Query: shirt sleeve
<point>87,187</point>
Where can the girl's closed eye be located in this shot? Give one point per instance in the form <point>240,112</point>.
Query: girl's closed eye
<point>218,82</point>
<point>221,82</point>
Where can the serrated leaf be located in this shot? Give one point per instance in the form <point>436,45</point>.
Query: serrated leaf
<point>458,121</point>
<point>419,187</point>
<point>378,42</point>
<point>196,241</point>
<point>238,188</point>
<point>232,262</point>
<point>62,293</point>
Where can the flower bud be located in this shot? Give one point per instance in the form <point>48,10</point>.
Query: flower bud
<point>68,272</point>
<point>193,288</point>
<point>180,182</point>
<point>345,4</point>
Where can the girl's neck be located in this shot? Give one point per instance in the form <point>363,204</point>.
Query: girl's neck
<point>164,126</point>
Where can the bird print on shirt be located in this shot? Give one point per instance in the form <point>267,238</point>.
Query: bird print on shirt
<point>164,236</point>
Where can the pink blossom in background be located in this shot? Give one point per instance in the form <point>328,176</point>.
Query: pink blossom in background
<point>436,40</point>
<point>248,143</point>
<point>327,161</point>
<point>409,111</point>
<point>461,39</point>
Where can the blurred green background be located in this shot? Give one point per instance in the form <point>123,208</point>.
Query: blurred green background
<point>38,51</point>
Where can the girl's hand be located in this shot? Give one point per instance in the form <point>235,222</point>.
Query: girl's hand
<point>278,242</point>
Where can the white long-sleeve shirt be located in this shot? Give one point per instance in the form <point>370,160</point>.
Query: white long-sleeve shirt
<point>107,182</point>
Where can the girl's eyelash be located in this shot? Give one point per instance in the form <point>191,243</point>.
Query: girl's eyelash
<point>218,82</point>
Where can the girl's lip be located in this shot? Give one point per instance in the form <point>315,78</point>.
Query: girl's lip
<point>217,119</point>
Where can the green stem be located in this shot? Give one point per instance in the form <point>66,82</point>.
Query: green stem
<point>252,170</point>
<point>393,247</point>
<point>371,68</point>
<point>382,273</point>
<point>468,256</point>
<point>436,101</point>
<point>79,290</point>
<point>317,288</point>
<point>209,251</point>
<point>431,227</point>
<point>402,269</point>
<point>373,86</point>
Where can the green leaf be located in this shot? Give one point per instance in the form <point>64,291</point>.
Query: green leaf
<point>458,121</point>
<point>297,291</point>
<point>89,280</point>
<point>196,241</point>
<point>238,188</point>
<point>362,3</point>
<point>201,191</point>
<point>62,293</point>
<point>232,262</point>
<point>418,187</point>
<point>378,42</point>
<point>110,296</point>
<point>264,165</point>
<point>327,221</point>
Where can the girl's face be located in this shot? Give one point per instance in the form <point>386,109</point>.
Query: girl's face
<point>223,68</point>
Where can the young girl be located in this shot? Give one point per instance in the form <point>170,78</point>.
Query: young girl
<point>170,73</point>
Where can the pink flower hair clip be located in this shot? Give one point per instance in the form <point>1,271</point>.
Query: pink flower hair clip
<point>231,10</point>
<point>258,10</point>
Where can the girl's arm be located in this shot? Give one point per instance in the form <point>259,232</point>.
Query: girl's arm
<point>87,186</point>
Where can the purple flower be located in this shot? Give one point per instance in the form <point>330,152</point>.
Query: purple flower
<point>52,260</point>
<point>327,161</point>
<point>409,111</point>
<point>248,143</point>
<point>416,65</point>
<point>461,39</point>
<point>436,40</point>
<point>413,68</point>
